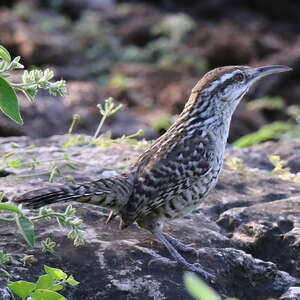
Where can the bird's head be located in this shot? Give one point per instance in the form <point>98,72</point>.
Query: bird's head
<point>226,86</point>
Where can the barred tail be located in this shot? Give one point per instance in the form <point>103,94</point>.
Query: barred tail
<point>112,193</point>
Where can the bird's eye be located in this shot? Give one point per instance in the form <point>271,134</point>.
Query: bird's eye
<point>239,77</point>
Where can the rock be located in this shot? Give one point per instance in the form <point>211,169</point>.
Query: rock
<point>262,229</point>
<point>293,293</point>
<point>221,48</point>
<point>252,249</point>
<point>281,85</point>
<point>277,9</point>
<point>137,21</point>
<point>9,128</point>
<point>74,8</point>
<point>171,97</point>
<point>28,40</point>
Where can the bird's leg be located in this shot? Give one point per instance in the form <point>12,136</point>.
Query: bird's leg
<point>178,245</point>
<point>179,259</point>
<point>111,216</point>
<point>181,246</point>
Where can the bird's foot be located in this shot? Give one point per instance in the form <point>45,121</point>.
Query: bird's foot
<point>151,241</point>
<point>162,261</point>
<point>197,268</point>
<point>186,248</point>
<point>170,243</point>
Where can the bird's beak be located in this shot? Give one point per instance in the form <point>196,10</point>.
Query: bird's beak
<point>260,72</point>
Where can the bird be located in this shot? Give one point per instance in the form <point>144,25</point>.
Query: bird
<point>177,171</point>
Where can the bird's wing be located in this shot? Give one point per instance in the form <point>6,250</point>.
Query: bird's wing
<point>166,169</point>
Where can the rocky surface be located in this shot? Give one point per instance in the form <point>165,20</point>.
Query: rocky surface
<point>247,229</point>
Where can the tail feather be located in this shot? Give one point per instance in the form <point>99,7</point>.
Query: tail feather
<point>112,193</point>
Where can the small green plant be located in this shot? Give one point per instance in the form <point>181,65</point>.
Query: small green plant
<point>15,161</point>
<point>4,258</point>
<point>56,167</point>
<point>45,288</point>
<point>199,290</point>
<point>48,245</point>
<point>105,140</point>
<point>281,171</point>
<point>121,82</point>
<point>131,140</point>
<point>25,223</point>
<point>163,122</point>
<point>175,26</point>
<point>278,130</point>
<point>274,103</point>
<point>32,81</point>
<point>166,49</point>
<point>99,140</point>
<point>267,132</point>
<point>234,163</point>
<point>74,139</point>
<point>106,111</point>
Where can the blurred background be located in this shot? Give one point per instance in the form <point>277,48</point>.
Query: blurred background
<point>148,55</point>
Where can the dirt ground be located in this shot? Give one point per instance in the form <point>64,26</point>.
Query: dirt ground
<point>147,55</point>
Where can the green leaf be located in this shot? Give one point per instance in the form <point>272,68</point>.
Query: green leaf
<point>198,289</point>
<point>15,164</point>
<point>5,273</point>
<point>71,281</point>
<point>5,54</point>
<point>4,258</point>
<point>56,274</point>
<point>27,228</point>
<point>15,64</point>
<point>41,294</point>
<point>45,282</point>
<point>10,207</point>
<point>9,102</point>
<point>22,288</point>
<point>57,287</point>
<point>30,92</point>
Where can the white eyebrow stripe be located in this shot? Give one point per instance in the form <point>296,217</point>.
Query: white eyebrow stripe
<point>212,86</point>
<point>222,79</point>
<point>227,76</point>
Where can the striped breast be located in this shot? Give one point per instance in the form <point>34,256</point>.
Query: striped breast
<point>171,174</point>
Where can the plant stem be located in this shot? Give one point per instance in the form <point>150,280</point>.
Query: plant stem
<point>99,127</point>
<point>22,85</point>
<point>52,214</point>
<point>32,175</point>
<point>7,219</point>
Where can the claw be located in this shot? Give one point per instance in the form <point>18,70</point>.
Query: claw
<point>151,241</point>
<point>197,268</point>
<point>162,261</point>
<point>171,244</point>
<point>111,216</point>
<point>189,248</point>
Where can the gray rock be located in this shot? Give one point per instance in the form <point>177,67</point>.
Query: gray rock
<point>293,293</point>
<point>252,249</point>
